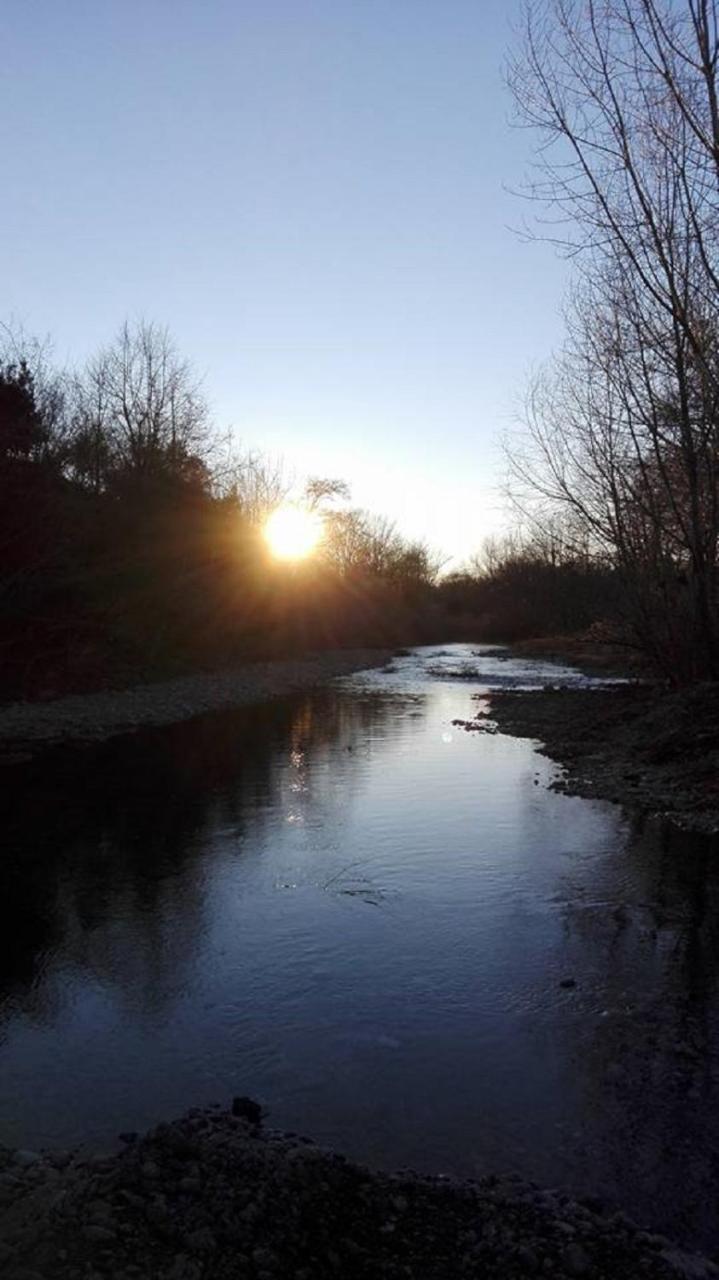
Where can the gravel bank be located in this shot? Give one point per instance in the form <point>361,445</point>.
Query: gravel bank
<point>213,1196</point>
<point>25,727</point>
<point>645,747</point>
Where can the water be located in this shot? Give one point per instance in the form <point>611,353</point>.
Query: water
<point>352,909</point>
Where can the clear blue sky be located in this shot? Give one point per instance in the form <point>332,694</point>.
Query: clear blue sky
<point>310,193</point>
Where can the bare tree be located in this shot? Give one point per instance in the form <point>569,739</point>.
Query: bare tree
<point>139,407</point>
<point>253,481</point>
<point>26,364</point>
<point>322,489</point>
<point>624,431</point>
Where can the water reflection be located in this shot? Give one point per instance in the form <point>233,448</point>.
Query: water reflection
<point>645,1032</point>
<point>114,840</point>
<point>346,906</point>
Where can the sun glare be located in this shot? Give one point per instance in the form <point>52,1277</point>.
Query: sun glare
<point>293,533</point>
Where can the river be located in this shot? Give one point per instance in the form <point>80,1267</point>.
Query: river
<point>361,914</point>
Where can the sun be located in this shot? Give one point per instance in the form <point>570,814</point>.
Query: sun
<point>293,533</point>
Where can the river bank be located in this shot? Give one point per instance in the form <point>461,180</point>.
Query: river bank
<point>27,727</point>
<point>643,746</point>
<point>215,1195</point>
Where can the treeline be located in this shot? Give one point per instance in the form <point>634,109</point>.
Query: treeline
<point>131,540</point>
<point>530,584</point>
<point>621,437</point>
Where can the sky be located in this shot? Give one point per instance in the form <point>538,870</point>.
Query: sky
<point>315,197</point>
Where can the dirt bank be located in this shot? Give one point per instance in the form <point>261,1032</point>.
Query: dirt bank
<point>26,727</point>
<point>213,1197</point>
<point>643,746</point>
<point>585,652</point>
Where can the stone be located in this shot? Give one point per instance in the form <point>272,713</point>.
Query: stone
<point>575,1260</point>
<point>156,1213</point>
<point>687,1266</point>
<point>131,1198</point>
<point>568,983</point>
<point>200,1241</point>
<point>247,1109</point>
<point>528,1258</point>
<point>98,1235</point>
<point>99,1210</point>
<point>264,1258</point>
<point>26,1158</point>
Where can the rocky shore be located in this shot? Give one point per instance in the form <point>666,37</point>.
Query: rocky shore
<point>215,1196</point>
<point>27,727</point>
<point>644,746</point>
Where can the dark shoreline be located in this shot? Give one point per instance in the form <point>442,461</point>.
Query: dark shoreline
<point>214,1196</point>
<point>643,746</point>
<point>27,728</point>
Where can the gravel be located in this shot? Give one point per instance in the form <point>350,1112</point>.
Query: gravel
<point>27,727</point>
<point>648,748</point>
<point>214,1195</point>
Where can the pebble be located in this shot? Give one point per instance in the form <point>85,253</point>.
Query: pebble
<point>264,1258</point>
<point>247,1109</point>
<point>319,1217</point>
<point>200,1241</point>
<point>156,1214</point>
<point>575,1260</point>
<point>99,1209</point>
<point>528,1258</point>
<point>98,1235</point>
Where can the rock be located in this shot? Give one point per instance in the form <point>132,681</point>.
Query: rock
<point>247,1109</point>
<point>200,1241</point>
<point>26,1158</point>
<point>131,1198</point>
<point>99,1210</point>
<point>265,1259</point>
<point>60,1159</point>
<point>528,1258</point>
<point>575,1260</point>
<point>183,1268</point>
<point>156,1213</point>
<point>98,1235</point>
<point>689,1267</point>
<point>568,983</point>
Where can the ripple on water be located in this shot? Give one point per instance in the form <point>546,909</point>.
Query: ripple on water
<point>347,906</point>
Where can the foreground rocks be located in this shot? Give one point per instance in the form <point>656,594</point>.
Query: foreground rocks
<point>26,727</point>
<point>214,1195</point>
<point>644,746</point>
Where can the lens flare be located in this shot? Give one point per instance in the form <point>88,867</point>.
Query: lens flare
<point>293,533</point>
